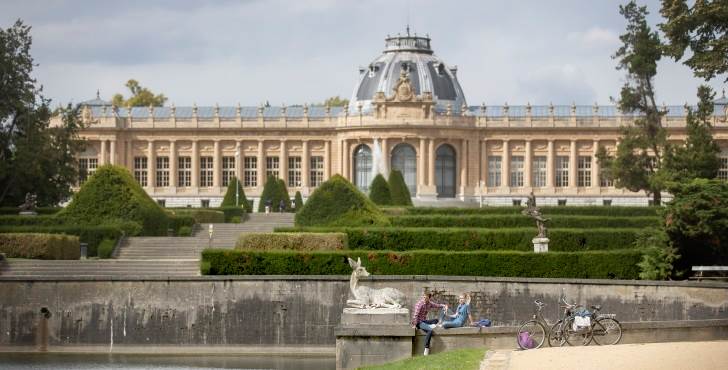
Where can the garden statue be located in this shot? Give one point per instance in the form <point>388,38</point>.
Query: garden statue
<point>533,212</point>
<point>28,207</point>
<point>365,297</point>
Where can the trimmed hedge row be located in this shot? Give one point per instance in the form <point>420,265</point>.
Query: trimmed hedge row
<point>93,235</point>
<point>512,220</point>
<point>292,241</point>
<point>585,265</point>
<point>40,220</point>
<point>453,239</point>
<point>609,211</point>
<point>38,210</point>
<point>40,246</point>
<point>202,215</point>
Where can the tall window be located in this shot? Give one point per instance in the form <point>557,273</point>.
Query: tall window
<point>404,159</point>
<point>583,175</point>
<point>562,171</point>
<point>723,169</point>
<point>250,172</point>
<point>162,171</point>
<point>140,170</point>
<point>363,167</point>
<point>516,175</point>
<point>86,168</point>
<point>605,181</point>
<point>294,172</point>
<point>228,170</point>
<point>539,171</point>
<point>184,171</point>
<point>316,171</point>
<point>206,171</point>
<point>272,164</point>
<point>494,171</point>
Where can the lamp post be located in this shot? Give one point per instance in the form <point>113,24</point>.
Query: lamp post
<point>237,180</point>
<point>210,231</point>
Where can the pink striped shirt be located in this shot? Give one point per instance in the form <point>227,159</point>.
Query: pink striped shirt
<point>419,313</point>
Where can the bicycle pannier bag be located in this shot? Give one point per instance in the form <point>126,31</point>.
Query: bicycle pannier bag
<point>525,340</point>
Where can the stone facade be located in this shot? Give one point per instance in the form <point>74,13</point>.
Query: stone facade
<point>491,154</point>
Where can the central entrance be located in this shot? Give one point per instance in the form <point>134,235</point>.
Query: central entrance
<point>445,171</point>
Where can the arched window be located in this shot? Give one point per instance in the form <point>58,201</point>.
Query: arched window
<point>363,167</point>
<point>404,159</point>
<point>445,171</point>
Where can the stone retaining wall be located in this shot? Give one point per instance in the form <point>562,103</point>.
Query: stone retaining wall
<point>299,310</point>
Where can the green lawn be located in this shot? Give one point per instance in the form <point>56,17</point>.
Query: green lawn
<point>461,359</point>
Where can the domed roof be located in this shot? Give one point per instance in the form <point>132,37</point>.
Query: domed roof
<point>427,73</point>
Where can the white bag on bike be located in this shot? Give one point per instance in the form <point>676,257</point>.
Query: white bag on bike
<point>581,323</point>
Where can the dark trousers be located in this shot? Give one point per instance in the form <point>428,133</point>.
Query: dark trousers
<point>425,326</point>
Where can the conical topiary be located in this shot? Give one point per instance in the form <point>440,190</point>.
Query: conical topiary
<point>270,192</point>
<point>229,199</point>
<point>398,189</point>
<point>283,194</point>
<point>112,195</point>
<point>298,201</point>
<point>337,202</point>
<point>379,191</point>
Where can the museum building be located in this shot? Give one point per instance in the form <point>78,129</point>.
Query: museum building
<point>407,112</point>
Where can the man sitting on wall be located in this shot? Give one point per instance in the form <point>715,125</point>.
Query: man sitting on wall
<point>419,317</point>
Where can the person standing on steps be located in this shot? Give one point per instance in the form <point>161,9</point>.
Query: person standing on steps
<point>419,317</point>
<point>281,206</point>
<point>268,205</point>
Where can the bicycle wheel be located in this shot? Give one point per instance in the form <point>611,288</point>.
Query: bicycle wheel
<point>531,335</point>
<point>557,336</point>
<point>576,338</point>
<point>607,331</point>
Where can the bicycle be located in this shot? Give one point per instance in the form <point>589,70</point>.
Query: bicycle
<point>532,333</point>
<point>562,331</point>
<point>603,330</point>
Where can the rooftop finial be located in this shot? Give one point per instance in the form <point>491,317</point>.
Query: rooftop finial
<point>98,96</point>
<point>724,92</point>
<point>408,33</point>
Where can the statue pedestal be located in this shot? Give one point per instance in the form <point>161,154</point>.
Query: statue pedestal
<point>29,213</point>
<point>373,336</point>
<point>540,245</point>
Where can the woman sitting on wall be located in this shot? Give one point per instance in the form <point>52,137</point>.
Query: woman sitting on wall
<point>457,319</point>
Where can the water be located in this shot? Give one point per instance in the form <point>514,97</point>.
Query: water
<point>63,361</point>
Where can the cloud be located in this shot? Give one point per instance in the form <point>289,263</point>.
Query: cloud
<point>560,84</point>
<point>594,37</point>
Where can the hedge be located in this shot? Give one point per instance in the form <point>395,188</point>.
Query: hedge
<point>585,265</point>
<point>292,241</point>
<point>229,199</point>
<point>610,211</point>
<point>40,220</point>
<point>203,215</point>
<point>93,235</point>
<point>40,246</point>
<point>379,191</point>
<point>398,189</point>
<point>454,239</point>
<point>510,220</point>
<point>231,212</point>
<point>38,210</point>
<point>106,248</point>
<point>177,222</point>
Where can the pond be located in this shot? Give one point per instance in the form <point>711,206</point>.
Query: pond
<point>75,361</point>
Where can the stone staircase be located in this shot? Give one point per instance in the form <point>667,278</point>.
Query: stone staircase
<point>151,256</point>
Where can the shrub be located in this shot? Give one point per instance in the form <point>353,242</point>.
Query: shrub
<point>110,195</point>
<point>229,199</point>
<point>92,235</point>
<point>398,189</point>
<point>235,220</point>
<point>178,221</point>
<point>400,238</point>
<point>202,216</point>
<point>274,191</point>
<point>184,231</point>
<point>338,202</point>
<point>292,241</point>
<point>379,191</point>
<point>106,248</point>
<point>283,195</point>
<point>40,220</point>
<point>607,211</point>
<point>298,201</point>
<point>38,210</point>
<point>40,246</point>
<point>232,212</point>
<point>658,254</point>
<point>587,265</point>
<point>512,220</point>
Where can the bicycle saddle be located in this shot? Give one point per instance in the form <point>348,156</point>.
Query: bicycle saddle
<point>596,307</point>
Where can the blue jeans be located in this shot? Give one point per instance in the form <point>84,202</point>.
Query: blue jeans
<point>425,326</point>
<point>447,324</point>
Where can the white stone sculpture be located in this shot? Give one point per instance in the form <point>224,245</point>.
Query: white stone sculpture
<point>365,297</point>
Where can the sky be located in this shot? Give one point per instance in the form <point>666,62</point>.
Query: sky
<point>303,51</point>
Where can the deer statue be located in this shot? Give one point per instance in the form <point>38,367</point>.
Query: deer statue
<point>365,297</point>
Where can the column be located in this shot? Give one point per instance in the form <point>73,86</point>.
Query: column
<point>103,158</point>
<point>422,165</point>
<point>484,163</point>
<point>550,155</point>
<point>431,163</point>
<point>128,148</point>
<point>463,164</point>
<point>283,167</point>
<point>505,165</point>
<point>260,172</point>
<point>345,160</point>
<point>527,165</point>
<point>304,164</point>
<point>595,166</point>
<point>172,163</point>
<point>195,165</point>
<point>151,178</point>
<point>385,159</point>
<point>216,164</point>
<point>113,151</point>
<point>327,160</point>
<point>572,165</point>
<point>239,161</point>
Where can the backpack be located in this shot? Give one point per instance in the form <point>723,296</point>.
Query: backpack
<point>525,340</point>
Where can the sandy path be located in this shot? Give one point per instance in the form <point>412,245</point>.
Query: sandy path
<point>663,356</point>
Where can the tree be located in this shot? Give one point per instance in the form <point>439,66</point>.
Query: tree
<point>699,157</point>
<point>275,191</point>
<point>283,195</point>
<point>229,199</point>
<point>379,191</point>
<point>638,162</point>
<point>335,101</point>
<point>701,29</point>
<point>398,189</point>
<point>34,157</point>
<point>140,97</point>
<point>298,201</point>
